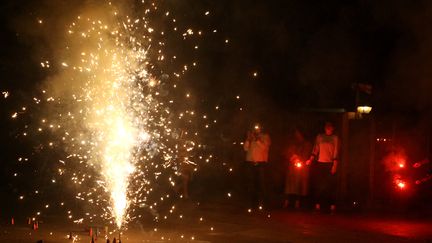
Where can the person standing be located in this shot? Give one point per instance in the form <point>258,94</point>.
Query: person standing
<point>297,173</point>
<point>257,147</point>
<point>185,167</point>
<point>324,162</point>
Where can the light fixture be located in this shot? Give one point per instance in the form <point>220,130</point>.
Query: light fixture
<point>364,109</point>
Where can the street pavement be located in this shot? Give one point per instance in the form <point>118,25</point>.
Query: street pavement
<point>222,222</point>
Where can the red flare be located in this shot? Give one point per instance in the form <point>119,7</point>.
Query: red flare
<point>35,225</point>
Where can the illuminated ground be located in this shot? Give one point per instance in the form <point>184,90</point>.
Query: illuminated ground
<point>216,223</point>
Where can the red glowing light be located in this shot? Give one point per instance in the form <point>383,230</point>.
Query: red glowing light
<point>298,164</point>
<point>401,165</point>
<point>402,185</point>
<point>399,182</point>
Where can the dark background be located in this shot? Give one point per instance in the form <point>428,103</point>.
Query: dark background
<point>306,53</point>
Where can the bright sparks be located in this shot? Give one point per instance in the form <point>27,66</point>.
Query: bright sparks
<point>116,121</point>
<point>113,106</point>
<point>112,113</point>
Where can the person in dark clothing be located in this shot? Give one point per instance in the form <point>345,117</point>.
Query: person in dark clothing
<point>297,173</point>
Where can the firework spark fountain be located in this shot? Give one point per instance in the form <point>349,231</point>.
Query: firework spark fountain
<point>105,107</point>
<point>113,102</point>
<point>115,109</point>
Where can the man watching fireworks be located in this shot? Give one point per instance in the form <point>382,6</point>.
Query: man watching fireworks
<point>256,146</point>
<point>324,161</point>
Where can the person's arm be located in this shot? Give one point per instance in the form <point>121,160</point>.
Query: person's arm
<point>246,144</point>
<point>334,167</point>
<point>263,140</point>
<point>335,155</point>
<point>315,151</point>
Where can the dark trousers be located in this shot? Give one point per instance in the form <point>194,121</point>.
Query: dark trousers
<point>322,183</point>
<point>254,174</point>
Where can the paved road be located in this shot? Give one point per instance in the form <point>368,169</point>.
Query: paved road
<point>193,222</point>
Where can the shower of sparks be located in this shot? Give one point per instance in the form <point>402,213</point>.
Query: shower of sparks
<point>108,109</point>
<point>114,122</point>
<point>118,107</point>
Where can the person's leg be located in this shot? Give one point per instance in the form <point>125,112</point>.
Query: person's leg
<point>303,189</point>
<point>323,184</point>
<point>315,181</point>
<point>332,193</point>
<point>287,188</point>
<point>297,188</point>
<point>260,186</point>
<point>256,186</point>
<point>328,188</point>
<point>186,179</point>
<point>248,181</point>
<point>262,193</point>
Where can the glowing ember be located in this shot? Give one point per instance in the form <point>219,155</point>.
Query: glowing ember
<point>399,182</point>
<point>401,185</point>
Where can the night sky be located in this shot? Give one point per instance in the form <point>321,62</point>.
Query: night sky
<point>307,53</point>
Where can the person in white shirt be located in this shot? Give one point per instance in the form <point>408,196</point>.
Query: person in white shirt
<point>257,147</point>
<point>324,162</point>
